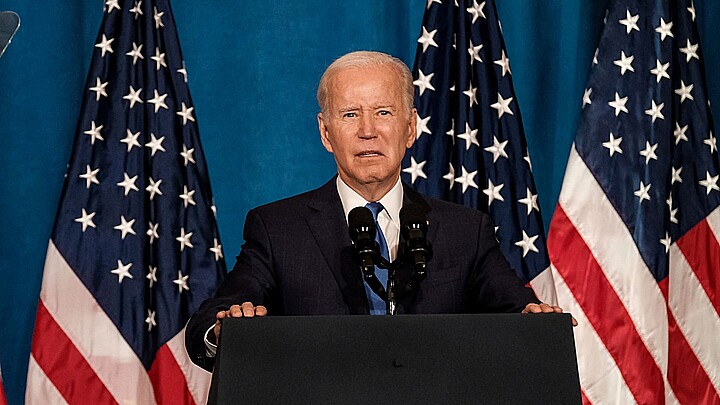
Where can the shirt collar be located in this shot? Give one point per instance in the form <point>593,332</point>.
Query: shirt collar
<point>392,201</point>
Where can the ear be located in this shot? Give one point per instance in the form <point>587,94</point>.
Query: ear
<point>412,128</point>
<point>324,133</point>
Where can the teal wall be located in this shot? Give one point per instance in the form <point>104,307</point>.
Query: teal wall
<point>253,67</point>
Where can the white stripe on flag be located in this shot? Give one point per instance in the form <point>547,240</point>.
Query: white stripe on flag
<point>93,333</point>
<point>40,390</point>
<point>600,377</point>
<point>694,314</point>
<point>544,287</point>
<point>198,380</point>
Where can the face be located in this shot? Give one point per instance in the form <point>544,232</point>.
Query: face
<point>366,126</point>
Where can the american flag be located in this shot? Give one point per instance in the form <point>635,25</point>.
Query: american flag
<point>634,238</point>
<point>471,145</point>
<point>135,247</point>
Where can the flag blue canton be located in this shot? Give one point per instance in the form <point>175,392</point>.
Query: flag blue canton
<point>646,131</point>
<point>136,218</point>
<point>471,146</point>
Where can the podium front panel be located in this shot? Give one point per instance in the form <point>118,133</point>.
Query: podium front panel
<point>406,359</point>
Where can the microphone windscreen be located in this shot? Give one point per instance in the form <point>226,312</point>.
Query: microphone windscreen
<point>412,214</point>
<point>360,217</point>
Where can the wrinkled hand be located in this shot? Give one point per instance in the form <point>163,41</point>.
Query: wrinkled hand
<point>544,308</point>
<point>245,310</point>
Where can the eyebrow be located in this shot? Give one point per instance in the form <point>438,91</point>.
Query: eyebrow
<point>378,107</point>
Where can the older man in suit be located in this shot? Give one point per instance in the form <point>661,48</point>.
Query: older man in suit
<point>297,256</point>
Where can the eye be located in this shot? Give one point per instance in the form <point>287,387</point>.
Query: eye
<point>349,115</point>
<point>384,112</point>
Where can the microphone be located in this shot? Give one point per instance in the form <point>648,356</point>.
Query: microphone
<point>413,228</point>
<point>362,232</point>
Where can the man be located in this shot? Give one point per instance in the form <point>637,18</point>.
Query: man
<point>297,256</point>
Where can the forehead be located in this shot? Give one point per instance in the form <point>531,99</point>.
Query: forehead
<point>377,84</point>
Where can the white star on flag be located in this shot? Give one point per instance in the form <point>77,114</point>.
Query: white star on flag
<point>186,113</point>
<point>467,179</point>
<point>184,239</point>
<point>159,101</point>
<point>181,282</point>
<point>131,139</point>
<point>122,271</point>
<point>415,170</point>
<point>187,196</point>
<point>159,59</point>
<point>613,144</point>
<point>133,96</point>
<point>643,192</point>
<point>619,104</point>
<point>216,249</point>
<point>90,176</point>
<point>187,155</point>
<point>710,183</point>
<point>630,22</point>
<point>493,192</point>
<point>105,45</point>
<point>86,220</point>
<point>423,82</point>
<point>497,149</point>
<point>426,39</point>
<point>99,89</point>
<point>136,52</point>
<point>125,227</point>
<point>153,188</point>
<point>152,232</point>
<point>502,105</point>
<point>155,144</point>
<point>527,243</point>
<point>94,133</point>
<point>128,183</point>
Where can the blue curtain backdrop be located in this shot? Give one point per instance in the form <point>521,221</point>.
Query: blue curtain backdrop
<point>253,68</point>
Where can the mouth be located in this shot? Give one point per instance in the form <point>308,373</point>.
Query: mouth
<point>368,154</point>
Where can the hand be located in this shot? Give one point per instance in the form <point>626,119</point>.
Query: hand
<point>544,308</point>
<point>246,310</point>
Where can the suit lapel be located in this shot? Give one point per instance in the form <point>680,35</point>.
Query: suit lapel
<point>326,221</point>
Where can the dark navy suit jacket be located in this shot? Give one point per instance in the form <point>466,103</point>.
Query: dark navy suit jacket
<point>297,260</point>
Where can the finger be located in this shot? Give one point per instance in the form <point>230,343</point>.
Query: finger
<point>235,311</point>
<point>532,309</point>
<point>248,309</point>
<point>216,330</point>
<point>221,315</point>
<point>574,321</point>
<point>260,310</point>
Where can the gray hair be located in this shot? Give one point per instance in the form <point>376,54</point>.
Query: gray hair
<point>367,59</point>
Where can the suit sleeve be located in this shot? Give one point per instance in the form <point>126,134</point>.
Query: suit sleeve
<point>252,279</point>
<point>496,287</point>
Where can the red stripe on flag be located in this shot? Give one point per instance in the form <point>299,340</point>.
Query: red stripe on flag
<point>585,400</point>
<point>686,376</point>
<point>64,365</point>
<point>3,399</point>
<point>702,252</point>
<point>604,310</point>
<point>168,380</point>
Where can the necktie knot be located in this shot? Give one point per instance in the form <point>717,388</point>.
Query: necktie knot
<point>376,208</point>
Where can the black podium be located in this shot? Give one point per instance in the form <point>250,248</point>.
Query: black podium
<point>406,359</point>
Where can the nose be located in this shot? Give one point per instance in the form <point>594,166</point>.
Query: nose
<point>367,127</point>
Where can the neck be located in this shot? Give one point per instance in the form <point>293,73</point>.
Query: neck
<point>371,192</point>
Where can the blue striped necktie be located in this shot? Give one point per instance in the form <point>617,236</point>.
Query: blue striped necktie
<point>377,304</point>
